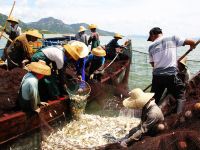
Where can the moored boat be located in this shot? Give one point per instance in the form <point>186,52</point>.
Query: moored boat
<point>16,123</point>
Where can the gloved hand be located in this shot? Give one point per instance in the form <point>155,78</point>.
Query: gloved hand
<point>80,77</point>
<point>91,76</point>
<point>124,143</point>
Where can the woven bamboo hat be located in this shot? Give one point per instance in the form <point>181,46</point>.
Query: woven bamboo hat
<point>12,19</point>
<point>137,99</point>
<point>39,67</point>
<point>77,50</point>
<point>34,33</point>
<point>81,29</point>
<point>99,51</point>
<point>92,26</point>
<point>117,35</point>
<point>183,61</point>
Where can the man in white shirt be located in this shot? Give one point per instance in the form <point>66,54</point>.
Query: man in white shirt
<point>163,58</point>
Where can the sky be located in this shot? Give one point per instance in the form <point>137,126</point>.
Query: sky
<point>128,17</point>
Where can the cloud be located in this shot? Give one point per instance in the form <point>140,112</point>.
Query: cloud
<point>127,17</point>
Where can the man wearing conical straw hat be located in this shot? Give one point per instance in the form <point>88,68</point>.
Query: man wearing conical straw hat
<point>81,36</point>
<point>20,50</point>
<point>151,119</point>
<point>59,56</point>
<point>95,60</point>
<point>94,36</point>
<point>113,47</point>
<point>29,99</point>
<point>14,32</point>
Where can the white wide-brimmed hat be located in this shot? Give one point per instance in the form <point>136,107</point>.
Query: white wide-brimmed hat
<point>137,99</point>
<point>77,50</point>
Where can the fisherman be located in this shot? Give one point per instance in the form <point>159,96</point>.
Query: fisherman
<point>58,56</point>
<point>151,120</point>
<point>94,37</point>
<point>14,32</point>
<point>113,47</point>
<point>81,36</point>
<point>162,55</point>
<point>19,52</point>
<point>95,60</point>
<point>29,99</point>
<point>183,71</point>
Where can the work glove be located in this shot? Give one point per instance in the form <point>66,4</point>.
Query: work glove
<point>91,76</point>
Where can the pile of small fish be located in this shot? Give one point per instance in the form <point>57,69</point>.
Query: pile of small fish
<point>89,132</point>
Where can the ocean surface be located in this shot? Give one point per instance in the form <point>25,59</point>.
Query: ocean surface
<point>140,76</point>
<point>141,71</point>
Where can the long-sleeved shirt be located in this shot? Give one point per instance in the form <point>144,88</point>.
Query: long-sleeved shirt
<point>151,116</point>
<point>29,89</point>
<point>96,62</point>
<point>14,32</point>
<point>82,38</point>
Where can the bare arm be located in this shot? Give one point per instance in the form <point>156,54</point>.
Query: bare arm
<point>190,42</point>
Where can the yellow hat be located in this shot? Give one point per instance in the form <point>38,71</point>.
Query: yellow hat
<point>117,35</point>
<point>137,99</point>
<point>76,50</point>
<point>92,26</point>
<point>12,19</point>
<point>39,67</point>
<point>81,29</point>
<point>183,61</point>
<point>99,51</point>
<point>34,32</point>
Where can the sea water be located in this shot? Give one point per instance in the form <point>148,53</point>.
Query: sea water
<point>141,71</point>
<point>92,129</point>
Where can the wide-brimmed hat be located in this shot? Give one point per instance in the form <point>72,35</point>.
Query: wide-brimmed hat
<point>77,50</point>
<point>92,26</point>
<point>34,33</point>
<point>117,35</point>
<point>99,51</point>
<point>154,31</point>
<point>183,61</point>
<point>39,67</point>
<point>81,29</point>
<point>137,99</point>
<point>12,19</point>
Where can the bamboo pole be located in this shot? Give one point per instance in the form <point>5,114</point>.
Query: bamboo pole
<point>2,31</point>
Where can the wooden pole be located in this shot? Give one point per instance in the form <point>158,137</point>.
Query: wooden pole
<point>2,31</point>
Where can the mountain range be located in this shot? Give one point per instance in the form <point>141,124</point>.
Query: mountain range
<point>53,26</point>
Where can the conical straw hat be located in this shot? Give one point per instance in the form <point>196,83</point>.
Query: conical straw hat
<point>137,99</point>
<point>98,51</point>
<point>39,67</point>
<point>81,29</point>
<point>117,35</point>
<point>12,19</point>
<point>92,26</point>
<point>34,33</point>
<point>77,50</point>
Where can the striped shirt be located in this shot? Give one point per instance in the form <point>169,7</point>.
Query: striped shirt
<point>162,52</point>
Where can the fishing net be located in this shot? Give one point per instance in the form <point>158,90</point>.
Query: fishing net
<point>78,92</point>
